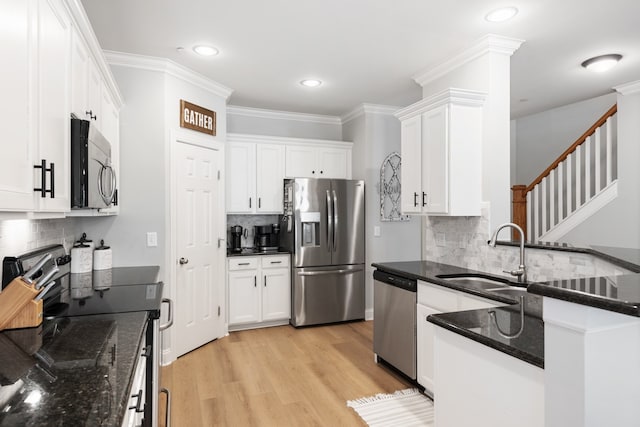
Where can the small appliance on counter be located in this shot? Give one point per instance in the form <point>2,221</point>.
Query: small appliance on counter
<point>267,237</point>
<point>236,239</point>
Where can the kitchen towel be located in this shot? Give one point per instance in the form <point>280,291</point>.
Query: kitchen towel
<point>407,408</point>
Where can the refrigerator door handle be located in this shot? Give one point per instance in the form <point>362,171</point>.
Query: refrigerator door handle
<point>329,222</point>
<point>324,272</point>
<point>335,219</point>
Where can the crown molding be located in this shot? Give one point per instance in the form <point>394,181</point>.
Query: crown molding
<point>266,139</point>
<point>363,109</point>
<point>488,43</point>
<point>169,67</point>
<point>465,97</point>
<point>628,88</point>
<point>281,115</point>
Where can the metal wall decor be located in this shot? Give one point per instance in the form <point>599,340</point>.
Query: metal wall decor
<point>390,189</point>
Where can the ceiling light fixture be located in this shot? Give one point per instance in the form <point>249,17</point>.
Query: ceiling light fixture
<point>602,63</point>
<point>206,50</point>
<point>311,83</point>
<point>501,15</point>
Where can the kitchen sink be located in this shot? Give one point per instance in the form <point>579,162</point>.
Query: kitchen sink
<point>477,281</point>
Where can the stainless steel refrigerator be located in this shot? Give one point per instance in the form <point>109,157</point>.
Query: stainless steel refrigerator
<point>323,228</point>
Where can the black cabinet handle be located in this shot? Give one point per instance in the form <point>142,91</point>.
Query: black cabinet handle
<point>249,202</point>
<point>255,281</point>
<point>90,114</point>
<point>113,355</point>
<point>265,281</point>
<point>415,199</point>
<point>313,172</point>
<point>138,402</point>
<point>424,203</point>
<point>275,262</point>
<point>43,179</point>
<point>259,202</point>
<point>321,172</point>
<point>243,263</point>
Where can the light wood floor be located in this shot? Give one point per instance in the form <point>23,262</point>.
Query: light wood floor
<point>278,376</point>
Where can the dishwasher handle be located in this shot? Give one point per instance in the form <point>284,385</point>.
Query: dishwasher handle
<point>410,285</point>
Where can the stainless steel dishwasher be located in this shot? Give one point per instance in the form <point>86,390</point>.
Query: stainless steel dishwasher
<point>394,321</point>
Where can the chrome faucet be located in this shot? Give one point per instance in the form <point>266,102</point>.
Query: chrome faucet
<point>521,271</point>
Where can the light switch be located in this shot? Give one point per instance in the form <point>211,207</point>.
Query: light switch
<point>376,231</point>
<point>152,239</point>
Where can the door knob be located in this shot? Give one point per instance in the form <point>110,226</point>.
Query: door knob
<point>183,261</point>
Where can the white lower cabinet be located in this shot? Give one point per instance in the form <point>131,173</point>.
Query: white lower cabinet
<point>259,291</point>
<point>481,386</point>
<point>434,299</point>
<point>135,405</point>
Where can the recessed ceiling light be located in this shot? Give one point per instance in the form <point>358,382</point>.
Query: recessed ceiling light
<point>602,63</point>
<point>206,50</point>
<point>311,83</point>
<point>502,14</point>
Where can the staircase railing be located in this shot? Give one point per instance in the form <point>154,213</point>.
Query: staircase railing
<point>585,169</point>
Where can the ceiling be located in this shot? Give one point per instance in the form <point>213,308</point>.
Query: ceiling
<point>366,51</point>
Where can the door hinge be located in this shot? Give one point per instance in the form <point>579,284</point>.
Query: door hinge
<point>218,175</point>
<point>218,311</point>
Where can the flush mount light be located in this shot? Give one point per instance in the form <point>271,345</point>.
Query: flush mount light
<point>602,63</point>
<point>311,83</point>
<point>502,14</point>
<point>206,50</point>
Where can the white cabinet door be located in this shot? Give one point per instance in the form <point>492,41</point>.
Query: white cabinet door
<point>17,142</point>
<point>301,162</point>
<point>94,96</point>
<point>276,294</point>
<point>54,46</point>
<point>435,158</point>
<point>425,354</point>
<point>79,74</point>
<point>241,177</point>
<point>334,163</point>
<point>270,174</point>
<point>244,297</point>
<point>411,171</point>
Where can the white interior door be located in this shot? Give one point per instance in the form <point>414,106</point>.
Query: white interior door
<point>199,264</point>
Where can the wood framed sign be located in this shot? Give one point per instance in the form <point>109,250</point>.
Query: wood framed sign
<point>197,118</point>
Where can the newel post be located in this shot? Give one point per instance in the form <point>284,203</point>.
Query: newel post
<point>519,209</point>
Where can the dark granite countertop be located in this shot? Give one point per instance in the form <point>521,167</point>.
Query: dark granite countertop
<point>70,371</point>
<point>476,324</point>
<point>255,252</point>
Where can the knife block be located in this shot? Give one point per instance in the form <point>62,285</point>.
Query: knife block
<point>17,307</point>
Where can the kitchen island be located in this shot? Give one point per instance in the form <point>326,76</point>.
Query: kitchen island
<point>585,343</point>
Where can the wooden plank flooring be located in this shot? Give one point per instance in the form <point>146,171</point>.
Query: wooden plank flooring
<point>278,376</point>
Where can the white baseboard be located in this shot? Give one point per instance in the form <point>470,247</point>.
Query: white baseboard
<point>577,217</point>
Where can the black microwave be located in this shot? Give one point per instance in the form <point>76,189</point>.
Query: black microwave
<point>93,180</point>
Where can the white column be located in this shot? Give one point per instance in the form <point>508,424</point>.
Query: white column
<point>591,366</point>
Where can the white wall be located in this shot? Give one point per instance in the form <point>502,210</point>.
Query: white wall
<point>540,138</point>
<point>142,173</point>
<point>375,136</point>
<point>264,122</point>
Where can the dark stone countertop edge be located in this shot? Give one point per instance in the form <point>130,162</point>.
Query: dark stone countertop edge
<point>496,345</point>
<point>599,254</point>
<point>241,254</point>
<point>583,298</point>
<point>452,269</point>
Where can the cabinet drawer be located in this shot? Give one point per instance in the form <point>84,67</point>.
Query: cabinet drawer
<point>242,263</point>
<point>275,261</point>
<point>438,297</point>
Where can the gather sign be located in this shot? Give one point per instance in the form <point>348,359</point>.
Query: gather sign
<point>197,118</point>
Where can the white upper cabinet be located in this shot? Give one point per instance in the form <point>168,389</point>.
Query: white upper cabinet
<point>47,77</point>
<point>241,177</point>
<point>17,142</point>
<point>318,161</point>
<point>441,143</point>
<point>269,177</point>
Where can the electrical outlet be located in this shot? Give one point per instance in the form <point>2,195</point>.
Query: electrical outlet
<point>152,239</point>
<point>440,239</point>
<point>376,231</point>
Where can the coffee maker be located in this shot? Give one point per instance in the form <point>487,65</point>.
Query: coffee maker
<point>236,239</point>
<point>266,237</point>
